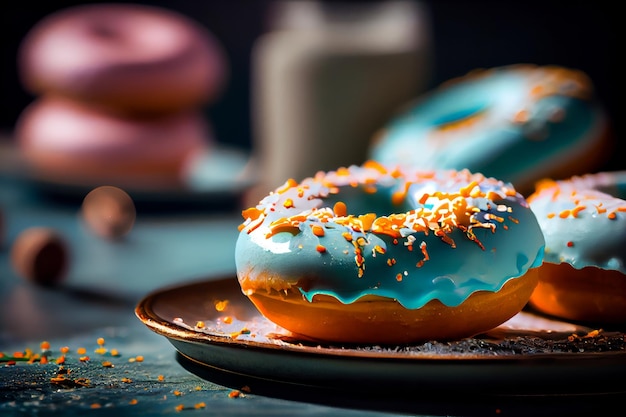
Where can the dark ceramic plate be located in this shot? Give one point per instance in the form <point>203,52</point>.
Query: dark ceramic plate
<point>225,172</point>
<point>530,361</point>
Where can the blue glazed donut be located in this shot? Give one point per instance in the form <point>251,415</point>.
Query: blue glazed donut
<point>376,254</point>
<point>583,220</point>
<point>518,123</point>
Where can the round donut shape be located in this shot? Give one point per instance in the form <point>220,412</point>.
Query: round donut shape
<point>67,142</point>
<point>127,58</point>
<point>583,277</point>
<point>518,123</point>
<point>378,254</point>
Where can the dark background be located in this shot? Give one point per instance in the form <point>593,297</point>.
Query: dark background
<point>465,35</point>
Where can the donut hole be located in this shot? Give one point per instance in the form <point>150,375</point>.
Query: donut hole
<point>359,202</point>
<point>461,118</point>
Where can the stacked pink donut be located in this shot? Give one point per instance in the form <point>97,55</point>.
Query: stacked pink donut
<point>120,90</point>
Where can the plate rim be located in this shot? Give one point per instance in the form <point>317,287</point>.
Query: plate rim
<point>366,379</point>
<point>170,330</point>
<point>20,170</point>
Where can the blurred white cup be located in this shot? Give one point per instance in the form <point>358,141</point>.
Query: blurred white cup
<point>327,76</point>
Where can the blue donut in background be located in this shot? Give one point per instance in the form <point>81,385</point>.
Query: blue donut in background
<point>519,123</point>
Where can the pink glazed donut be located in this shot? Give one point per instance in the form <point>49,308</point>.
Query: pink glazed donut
<point>123,57</point>
<point>65,141</point>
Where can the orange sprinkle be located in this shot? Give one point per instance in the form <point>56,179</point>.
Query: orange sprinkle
<point>424,251</point>
<point>139,358</point>
<point>570,244</point>
<point>107,364</point>
<point>379,249</point>
<point>95,405</point>
<point>317,230</point>
<point>290,183</point>
<point>593,333</point>
<point>399,277</point>
<point>180,407</point>
<point>577,209</point>
<point>521,116</point>
<point>81,350</point>
<point>340,209</point>
<point>199,405</point>
<point>370,189</point>
<point>320,248</point>
<point>60,360</point>
<point>227,319</point>
<point>612,215</point>
<point>375,165</point>
<point>537,90</point>
<point>64,349</point>
<point>367,220</point>
<point>199,324</point>
<point>465,191</point>
<point>43,360</point>
<point>251,213</point>
<point>161,378</point>
<point>100,341</point>
<point>288,203</point>
<point>221,305</point>
<point>398,197</point>
<point>234,394</point>
<point>133,401</point>
<point>347,236</point>
<point>44,345</point>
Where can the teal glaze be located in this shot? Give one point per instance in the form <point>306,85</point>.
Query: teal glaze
<point>590,238</point>
<point>563,122</point>
<point>450,275</point>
